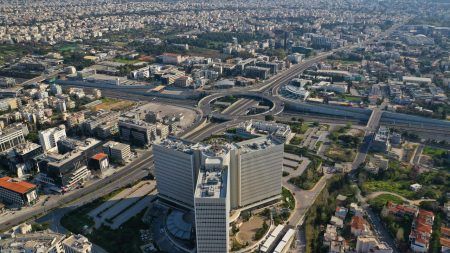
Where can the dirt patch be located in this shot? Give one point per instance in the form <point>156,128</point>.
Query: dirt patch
<point>113,105</point>
<point>356,132</point>
<point>343,155</point>
<point>248,229</point>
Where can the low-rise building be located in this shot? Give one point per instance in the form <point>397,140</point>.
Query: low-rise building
<point>341,212</point>
<point>277,130</point>
<point>359,226</point>
<point>77,244</point>
<point>421,230</point>
<point>44,241</point>
<point>117,151</point>
<point>381,142</point>
<point>98,162</point>
<point>370,244</point>
<point>336,221</point>
<point>50,137</point>
<point>257,72</point>
<point>16,192</point>
<point>137,131</point>
<point>400,210</point>
<point>12,136</point>
<point>169,58</point>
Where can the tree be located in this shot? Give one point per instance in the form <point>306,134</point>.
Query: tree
<point>269,118</point>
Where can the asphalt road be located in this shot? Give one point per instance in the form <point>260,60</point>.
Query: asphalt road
<point>377,225</point>
<point>131,173</point>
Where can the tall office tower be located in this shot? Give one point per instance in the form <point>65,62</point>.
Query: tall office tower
<point>176,171</point>
<point>212,202</point>
<point>256,168</point>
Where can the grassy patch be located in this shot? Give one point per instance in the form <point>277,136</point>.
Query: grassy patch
<point>126,61</point>
<point>321,211</point>
<point>296,140</point>
<point>308,179</point>
<point>401,188</point>
<point>228,99</point>
<point>298,127</point>
<point>76,220</point>
<point>288,199</point>
<point>441,157</point>
<point>434,151</point>
<point>124,239</point>
<point>340,154</point>
<point>380,201</point>
<point>113,104</point>
<point>318,144</point>
<point>352,98</point>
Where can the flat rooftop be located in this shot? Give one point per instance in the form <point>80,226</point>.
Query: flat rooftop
<point>178,145</point>
<point>212,184</point>
<point>256,144</point>
<point>116,145</point>
<point>17,186</point>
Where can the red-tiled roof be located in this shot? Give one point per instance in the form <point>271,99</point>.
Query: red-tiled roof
<point>425,212</point>
<point>21,187</point>
<point>445,242</point>
<point>358,222</point>
<point>445,231</point>
<point>402,209</point>
<point>99,156</point>
<point>423,227</point>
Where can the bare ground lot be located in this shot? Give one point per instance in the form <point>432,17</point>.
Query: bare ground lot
<point>248,229</point>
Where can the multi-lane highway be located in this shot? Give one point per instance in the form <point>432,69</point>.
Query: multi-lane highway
<point>130,173</point>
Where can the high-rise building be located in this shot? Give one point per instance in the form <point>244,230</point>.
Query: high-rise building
<point>214,179</point>
<point>212,209</point>
<point>256,172</point>
<point>50,137</point>
<point>175,171</point>
<point>212,200</point>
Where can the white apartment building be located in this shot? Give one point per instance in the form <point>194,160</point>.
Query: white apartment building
<point>277,130</point>
<point>77,244</point>
<point>370,244</point>
<point>50,137</point>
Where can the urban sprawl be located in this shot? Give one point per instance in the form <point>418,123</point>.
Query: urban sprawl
<point>224,126</point>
